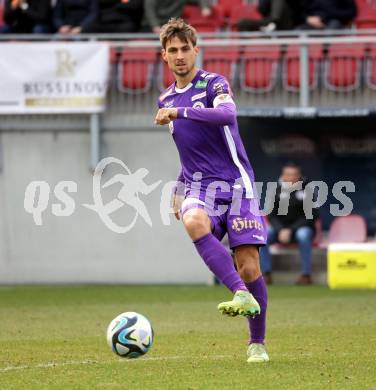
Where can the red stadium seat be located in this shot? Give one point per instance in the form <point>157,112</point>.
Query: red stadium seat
<point>166,77</point>
<point>344,66</point>
<point>366,18</point>
<point>1,14</point>
<point>135,69</point>
<point>260,66</point>
<point>211,23</point>
<point>228,6</point>
<point>222,60</point>
<point>352,228</point>
<point>246,11</point>
<point>371,68</point>
<point>291,67</point>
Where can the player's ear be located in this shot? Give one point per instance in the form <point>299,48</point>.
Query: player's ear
<point>196,50</point>
<point>164,55</point>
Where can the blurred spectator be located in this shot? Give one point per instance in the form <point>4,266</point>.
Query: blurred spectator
<point>118,16</point>
<point>24,17</point>
<point>277,15</point>
<point>74,16</point>
<point>328,14</point>
<point>290,227</point>
<point>158,12</point>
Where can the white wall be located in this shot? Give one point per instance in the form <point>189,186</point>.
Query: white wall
<point>80,248</point>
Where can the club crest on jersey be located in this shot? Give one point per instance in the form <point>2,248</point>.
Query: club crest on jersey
<point>219,88</point>
<point>199,105</point>
<point>201,84</point>
<point>168,104</point>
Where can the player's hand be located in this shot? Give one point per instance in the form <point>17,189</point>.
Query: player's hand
<point>15,4</point>
<point>315,21</point>
<point>76,30</point>
<point>165,116</point>
<point>177,201</point>
<point>284,236</point>
<point>65,29</point>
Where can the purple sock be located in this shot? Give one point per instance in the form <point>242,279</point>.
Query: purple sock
<point>219,262</point>
<point>257,325</point>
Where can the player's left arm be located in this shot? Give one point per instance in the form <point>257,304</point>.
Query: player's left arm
<point>222,112</point>
<point>221,106</point>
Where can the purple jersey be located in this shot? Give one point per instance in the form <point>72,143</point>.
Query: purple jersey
<point>206,132</point>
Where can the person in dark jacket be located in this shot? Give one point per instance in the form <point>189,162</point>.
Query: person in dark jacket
<point>292,226</point>
<point>74,16</point>
<point>328,14</point>
<point>277,15</point>
<point>24,17</point>
<point>118,16</point>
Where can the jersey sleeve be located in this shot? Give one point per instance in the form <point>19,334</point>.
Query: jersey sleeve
<point>219,91</point>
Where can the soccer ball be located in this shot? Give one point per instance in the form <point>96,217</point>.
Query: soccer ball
<point>130,335</point>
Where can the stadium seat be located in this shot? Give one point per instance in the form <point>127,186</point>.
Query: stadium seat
<point>291,67</point>
<point>352,228</point>
<point>211,23</point>
<point>343,67</point>
<point>244,11</point>
<point>371,68</point>
<point>222,60</point>
<point>259,70</point>
<point>1,14</point>
<point>165,76</point>
<point>135,69</point>
<point>227,6</point>
<point>366,18</point>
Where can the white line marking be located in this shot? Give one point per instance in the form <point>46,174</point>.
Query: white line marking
<point>120,360</point>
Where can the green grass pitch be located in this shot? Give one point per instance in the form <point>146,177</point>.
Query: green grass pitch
<point>54,338</point>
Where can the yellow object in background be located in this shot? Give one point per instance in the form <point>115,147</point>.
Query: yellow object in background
<point>352,265</point>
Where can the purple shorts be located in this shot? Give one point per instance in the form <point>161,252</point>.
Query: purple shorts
<point>239,217</point>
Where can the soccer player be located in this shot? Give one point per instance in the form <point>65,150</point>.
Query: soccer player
<point>217,179</point>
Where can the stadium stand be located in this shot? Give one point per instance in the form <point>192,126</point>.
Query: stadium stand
<point>243,11</point>
<point>260,69</point>
<point>214,22</point>
<point>1,14</point>
<point>370,71</point>
<point>228,6</point>
<point>222,60</point>
<point>343,67</point>
<point>366,18</point>
<point>291,67</point>
<point>136,69</point>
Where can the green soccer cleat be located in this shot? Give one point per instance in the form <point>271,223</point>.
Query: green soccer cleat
<point>243,304</point>
<point>257,354</point>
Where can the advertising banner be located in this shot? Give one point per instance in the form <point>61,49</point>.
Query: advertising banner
<point>48,78</point>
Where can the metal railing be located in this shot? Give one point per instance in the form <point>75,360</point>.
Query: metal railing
<point>292,74</point>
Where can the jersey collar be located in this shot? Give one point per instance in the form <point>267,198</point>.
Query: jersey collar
<point>189,85</point>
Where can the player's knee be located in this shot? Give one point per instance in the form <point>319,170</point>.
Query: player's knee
<point>249,271</point>
<point>249,266</point>
<point>196,225</point>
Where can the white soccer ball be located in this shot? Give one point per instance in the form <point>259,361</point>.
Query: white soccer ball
<point>130,335</point>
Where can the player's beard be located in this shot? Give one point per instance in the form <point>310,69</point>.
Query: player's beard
<point>184,72</point>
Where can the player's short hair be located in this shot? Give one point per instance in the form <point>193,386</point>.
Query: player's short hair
<point>177,27</point>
